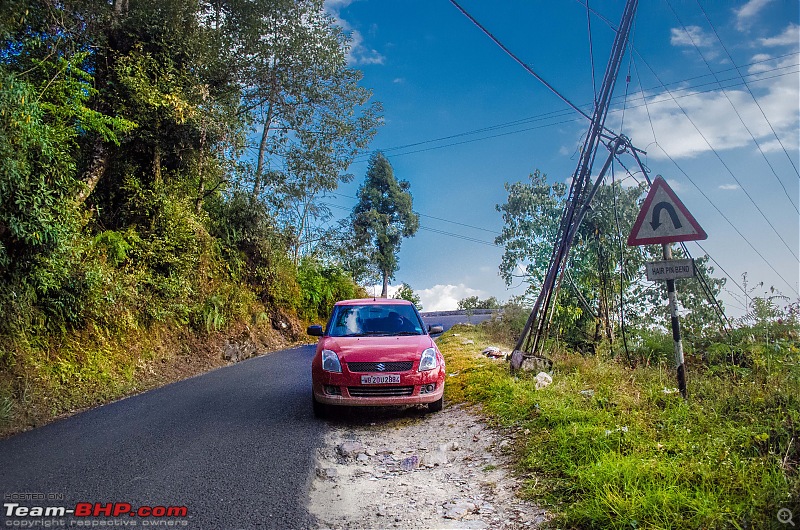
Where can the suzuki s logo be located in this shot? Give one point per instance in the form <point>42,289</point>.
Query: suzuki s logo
<point>380,367</point>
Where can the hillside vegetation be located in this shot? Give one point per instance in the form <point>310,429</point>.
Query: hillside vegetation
<point>160,163</point>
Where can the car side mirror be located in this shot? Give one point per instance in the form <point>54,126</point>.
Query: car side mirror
<point>437,328</point>
<point>314,331</point>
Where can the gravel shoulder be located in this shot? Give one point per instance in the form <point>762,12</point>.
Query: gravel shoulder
<point>412,470</point>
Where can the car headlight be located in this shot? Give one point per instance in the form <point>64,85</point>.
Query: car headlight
<point>428,360</point>
<point>330,361</point>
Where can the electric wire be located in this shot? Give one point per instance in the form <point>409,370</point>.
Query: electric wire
<point>755,100</point>
<point>709,199</point>
<point>591,49</point>
<point>428,228</point>
<point>621,267</point>
<point>729,222</point>
<point>518,60</point>
<point>735,110</point>
<point>725,165</point>
<point>723,318</point>
<point>428,216</point>
<point>558,114</point>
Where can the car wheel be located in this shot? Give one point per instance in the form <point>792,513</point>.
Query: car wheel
<point>320,409</point>
<point>436,406</point>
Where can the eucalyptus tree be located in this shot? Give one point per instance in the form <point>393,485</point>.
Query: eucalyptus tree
<point>308,110</point>
<point>383,216</point>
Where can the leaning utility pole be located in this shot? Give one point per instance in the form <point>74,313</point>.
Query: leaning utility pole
<point>580,196</point>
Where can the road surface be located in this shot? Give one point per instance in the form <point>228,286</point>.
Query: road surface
<point>235,447</point>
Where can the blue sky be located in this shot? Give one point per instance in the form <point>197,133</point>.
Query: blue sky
<point>462,118</point>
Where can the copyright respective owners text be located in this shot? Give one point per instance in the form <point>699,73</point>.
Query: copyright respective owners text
<point>53,510</point>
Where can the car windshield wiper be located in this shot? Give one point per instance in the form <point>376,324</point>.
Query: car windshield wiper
<point>406,333</point>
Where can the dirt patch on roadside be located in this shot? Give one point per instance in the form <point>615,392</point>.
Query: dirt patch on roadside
<point>410,470</point>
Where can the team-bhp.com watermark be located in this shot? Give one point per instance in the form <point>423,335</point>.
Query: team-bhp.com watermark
<point>88,514</point>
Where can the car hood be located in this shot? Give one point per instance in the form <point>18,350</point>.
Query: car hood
<point>371,349</point>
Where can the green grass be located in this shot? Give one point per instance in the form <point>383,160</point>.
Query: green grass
<point>630,454</point>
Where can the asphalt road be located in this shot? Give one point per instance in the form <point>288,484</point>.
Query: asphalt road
<point>235,446</point>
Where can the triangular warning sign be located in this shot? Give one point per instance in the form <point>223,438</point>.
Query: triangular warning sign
<point>664,219</point>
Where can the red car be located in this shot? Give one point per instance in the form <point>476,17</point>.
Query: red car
<point>376,352</point>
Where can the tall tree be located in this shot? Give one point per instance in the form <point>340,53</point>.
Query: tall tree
<point>383,216</point>
<point>308,110</point>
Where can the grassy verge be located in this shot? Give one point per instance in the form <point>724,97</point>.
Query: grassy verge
<point>606,446</point>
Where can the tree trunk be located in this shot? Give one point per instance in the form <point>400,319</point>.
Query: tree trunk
<point>157,165</point>
<point>96,169</point>
<point>120,7</point>
<point>385,290</point>
<point>262,147</point>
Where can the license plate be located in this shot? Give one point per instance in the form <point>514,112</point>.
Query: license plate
<point>379,379</point>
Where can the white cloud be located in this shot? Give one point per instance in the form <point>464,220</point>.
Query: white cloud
<point>446,297</point>
<point>729,187</point>
<point>336,5</point>
<point>676,186</point>
<point>375,290</point>
<point>437,298</point>
<point>712,122</point>
<point>746,13</point>
<point>789,37</point>
<point>359,53</point>
<point>692,36</point>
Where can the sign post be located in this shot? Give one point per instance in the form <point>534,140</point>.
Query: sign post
<point>652,226</point>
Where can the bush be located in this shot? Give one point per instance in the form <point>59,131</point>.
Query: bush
<point>322,286</point>
<point>506,327</point>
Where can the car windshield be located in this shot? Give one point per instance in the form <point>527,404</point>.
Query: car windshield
<point>374,320</point>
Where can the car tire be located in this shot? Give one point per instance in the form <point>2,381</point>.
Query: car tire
<point>321,410</point>
<point>436,406</point>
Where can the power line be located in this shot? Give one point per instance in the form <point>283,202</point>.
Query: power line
<point>730,172</point>
<point>735,110</point>
<point>564,112</point>
<point>755,100</point>
<point>430,229</point>
<point>729,222</point>
<point>459,236</point>
<point>759,254</point>
<point>428,216</point>
<point>518,60</point>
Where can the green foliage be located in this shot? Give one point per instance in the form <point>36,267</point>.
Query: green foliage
<point>322,286</point>
<point>507,326</point>
<point>612,447</point>
<point>405,292</point>
<point>602,273</point>
<point>473,302</point>
<point>123,133</point>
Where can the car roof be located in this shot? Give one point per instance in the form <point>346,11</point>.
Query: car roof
<point>374,301</point>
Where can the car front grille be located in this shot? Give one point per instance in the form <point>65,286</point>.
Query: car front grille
<point>380,391</point>
<point>398,366</point>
